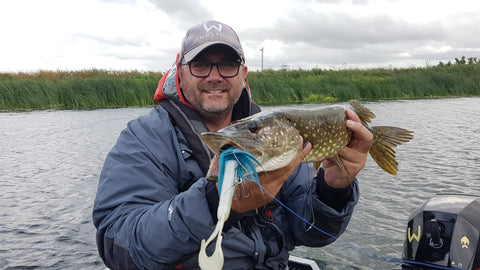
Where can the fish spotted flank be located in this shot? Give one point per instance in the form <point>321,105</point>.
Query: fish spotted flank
<point>274,137</point>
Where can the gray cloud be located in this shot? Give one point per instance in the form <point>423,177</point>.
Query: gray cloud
<point>316,38</point>
<point>313,33</point>
<point>184,13</point>
<point>330,39</point>
<point>114,40</point>
<point>343,30</point>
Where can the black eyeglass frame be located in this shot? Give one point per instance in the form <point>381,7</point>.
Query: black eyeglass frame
<point>238,62</point>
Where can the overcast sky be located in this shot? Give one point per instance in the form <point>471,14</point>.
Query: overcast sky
<point>145,35</point>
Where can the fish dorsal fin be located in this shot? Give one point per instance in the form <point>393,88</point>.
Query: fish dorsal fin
<point>363,112</point>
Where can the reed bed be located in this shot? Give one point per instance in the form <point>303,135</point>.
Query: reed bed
<point>317,85</point>
<point>102,88</point>
<point>76,89</point>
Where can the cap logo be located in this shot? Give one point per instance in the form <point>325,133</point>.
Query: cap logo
<point>207,29</point>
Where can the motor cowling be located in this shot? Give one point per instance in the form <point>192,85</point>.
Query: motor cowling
<point>444,231</point>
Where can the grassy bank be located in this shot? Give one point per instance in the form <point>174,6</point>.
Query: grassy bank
<point>76,89</point>
<point>101,88</point>
<point>327,85</point>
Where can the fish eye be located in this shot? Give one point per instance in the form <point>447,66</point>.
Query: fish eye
<point>253,127</point>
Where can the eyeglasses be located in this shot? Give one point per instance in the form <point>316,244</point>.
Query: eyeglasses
<point>226,69</point>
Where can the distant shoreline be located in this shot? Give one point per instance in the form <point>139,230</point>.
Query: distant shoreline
<point>91,89</point>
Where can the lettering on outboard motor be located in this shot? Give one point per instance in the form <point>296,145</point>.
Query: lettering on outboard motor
<point>414,236</point>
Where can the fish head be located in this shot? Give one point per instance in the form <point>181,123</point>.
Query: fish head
<point>271,138</point>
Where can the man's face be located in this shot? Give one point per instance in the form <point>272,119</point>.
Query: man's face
<point>213,96</point>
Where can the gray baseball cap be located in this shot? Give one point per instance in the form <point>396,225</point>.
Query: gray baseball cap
<point>206,34</point>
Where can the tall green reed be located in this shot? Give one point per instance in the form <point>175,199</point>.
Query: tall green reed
<point>77,89</point>
<point>101,88</point>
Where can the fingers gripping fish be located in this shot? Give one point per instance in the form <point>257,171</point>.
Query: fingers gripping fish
<point>274,137</point>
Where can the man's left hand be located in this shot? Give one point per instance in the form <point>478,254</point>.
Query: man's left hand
<point>354,155</point>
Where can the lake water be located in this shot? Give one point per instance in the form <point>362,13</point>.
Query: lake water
<point>50,162</point>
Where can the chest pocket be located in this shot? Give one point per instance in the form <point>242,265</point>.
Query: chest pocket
<point>190,170</point>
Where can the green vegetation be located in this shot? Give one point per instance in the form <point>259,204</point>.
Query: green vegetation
<point>76,89</point>
<point>289,86</point>
<point>101,88</point>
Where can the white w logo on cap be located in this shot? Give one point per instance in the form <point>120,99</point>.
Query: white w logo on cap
<point>207,29</point>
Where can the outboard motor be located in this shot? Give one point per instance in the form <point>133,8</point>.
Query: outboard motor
<point>444,231</point>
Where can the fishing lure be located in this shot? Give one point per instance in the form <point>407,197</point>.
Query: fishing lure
<point>245,170</point>
<point>234,164</point>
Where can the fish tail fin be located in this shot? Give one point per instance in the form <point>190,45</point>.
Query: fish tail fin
<point>363,112</point>
<point>385,138</point>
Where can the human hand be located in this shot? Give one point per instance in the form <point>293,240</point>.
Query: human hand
<point>271,181</point>
<point>354,154</point>
<point>248,195</point>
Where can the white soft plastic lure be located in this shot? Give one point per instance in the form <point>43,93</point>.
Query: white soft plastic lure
<point>215,261</point>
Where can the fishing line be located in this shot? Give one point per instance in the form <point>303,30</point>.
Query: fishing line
<point>360,249</point>
<point>247,171</point>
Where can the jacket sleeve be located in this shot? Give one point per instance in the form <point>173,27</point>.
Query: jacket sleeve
<point>317,217</point>
<point>142,220</point>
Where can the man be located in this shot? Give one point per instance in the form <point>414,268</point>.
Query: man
<point>154,204</point>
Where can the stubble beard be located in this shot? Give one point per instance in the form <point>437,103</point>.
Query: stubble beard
<point>216,112</point>
<point>209,107</point>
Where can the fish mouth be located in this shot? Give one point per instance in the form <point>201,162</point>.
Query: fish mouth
<point>219,143</point>
<point>231,144</point>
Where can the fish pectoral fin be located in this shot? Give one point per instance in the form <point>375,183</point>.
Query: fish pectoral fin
<point>342,166</point>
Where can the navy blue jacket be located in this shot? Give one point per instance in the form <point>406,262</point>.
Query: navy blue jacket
<point>154,206</point>
<point>144,221</point>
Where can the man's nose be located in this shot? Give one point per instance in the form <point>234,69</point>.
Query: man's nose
<point>215,73</point>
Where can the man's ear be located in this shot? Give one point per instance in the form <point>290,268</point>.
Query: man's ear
<point>245,72</point>
<point>180,72</point>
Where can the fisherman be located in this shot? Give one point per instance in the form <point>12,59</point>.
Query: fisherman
<point>154,204</point>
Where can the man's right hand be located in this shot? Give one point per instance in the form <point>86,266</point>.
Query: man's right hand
<point>249,196</point>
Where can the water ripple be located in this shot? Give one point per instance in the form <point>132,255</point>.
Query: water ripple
<point>51,161</point>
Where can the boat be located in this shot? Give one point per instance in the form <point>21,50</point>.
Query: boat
<point>298,263</point>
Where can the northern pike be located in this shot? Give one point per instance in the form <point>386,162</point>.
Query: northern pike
<point>274,137</point>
